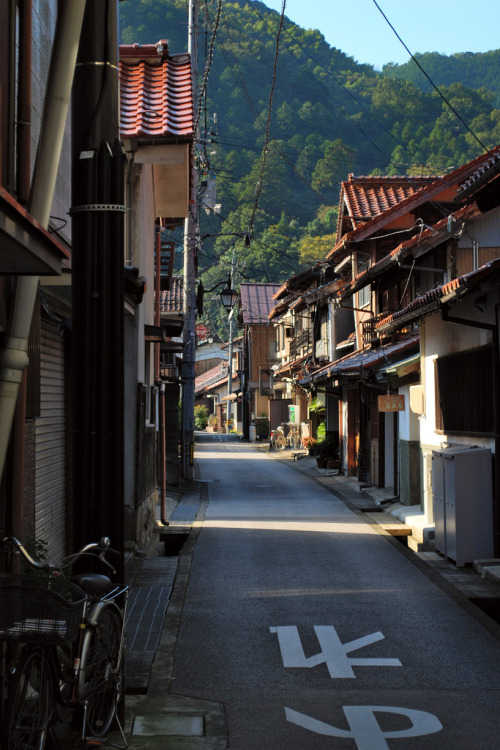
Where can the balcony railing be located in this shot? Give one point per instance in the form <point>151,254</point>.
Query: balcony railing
<point>300,343</point>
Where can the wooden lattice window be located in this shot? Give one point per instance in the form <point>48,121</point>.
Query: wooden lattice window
<point>464,392</point>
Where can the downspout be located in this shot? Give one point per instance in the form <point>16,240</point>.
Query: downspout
<point>162,451</point>
<point>13,359</point>
<point>23,190</point>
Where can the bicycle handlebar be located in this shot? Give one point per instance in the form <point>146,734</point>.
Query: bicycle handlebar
<point>103,545</point>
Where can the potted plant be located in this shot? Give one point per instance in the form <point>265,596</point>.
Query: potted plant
<point>320,452</point>
<point>309,443</point>
<point>327,451</point>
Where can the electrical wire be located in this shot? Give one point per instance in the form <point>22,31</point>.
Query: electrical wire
<point>448,104</point>
<point>208,65</point>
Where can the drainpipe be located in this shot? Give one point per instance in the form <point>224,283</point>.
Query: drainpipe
<point>14,359</point>
<point>162,450</point>
<point>163,458</point>
<point>23,191</point>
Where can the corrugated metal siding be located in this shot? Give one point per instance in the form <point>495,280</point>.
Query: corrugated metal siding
<point>50,508</point>
<point>484,231</point>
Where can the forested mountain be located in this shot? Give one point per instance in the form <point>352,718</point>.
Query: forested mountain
<point>474,69</point>
<point>328,116</point>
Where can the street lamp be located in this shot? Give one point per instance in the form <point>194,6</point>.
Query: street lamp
<point>229,298</point>
<point>228,295</point>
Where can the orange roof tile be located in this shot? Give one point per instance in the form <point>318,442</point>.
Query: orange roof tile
<point>172,300</point>
<point>156,99</point>
<point>367,197</point>
<point>427,193</point>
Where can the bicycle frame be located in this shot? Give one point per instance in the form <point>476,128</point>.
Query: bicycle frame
<point>85,675</point>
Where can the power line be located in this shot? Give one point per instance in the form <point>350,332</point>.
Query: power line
<point>432,82</point>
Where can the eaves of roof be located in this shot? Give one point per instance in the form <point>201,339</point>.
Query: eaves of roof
<point>434,300</point>
<point>296,283</point>
<point>284,305</point>
<point>217,375</point>
<point>481,177</point>
<point>451,181</point>
<point>415,246</point>
<point>359,362</point>
<point>26,246</point>
<point>156,99</point>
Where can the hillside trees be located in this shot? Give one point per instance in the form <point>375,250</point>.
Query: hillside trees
<point>330,116</point>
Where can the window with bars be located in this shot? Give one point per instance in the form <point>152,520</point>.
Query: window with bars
<point>464,392</point>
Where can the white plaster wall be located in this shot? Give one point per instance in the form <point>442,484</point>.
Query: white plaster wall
<point>140,253</point>
<point>344,429</point>
<point>409,425</point>
<point>438,338</point>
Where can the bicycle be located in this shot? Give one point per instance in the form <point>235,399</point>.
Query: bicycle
<point>69,635</point>
<point>281,440</point>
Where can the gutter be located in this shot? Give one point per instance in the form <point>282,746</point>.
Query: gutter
<point>13,359</point>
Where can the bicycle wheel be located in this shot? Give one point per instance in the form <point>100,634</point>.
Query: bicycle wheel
<point>29,704</point>
<point>100,671</point>
<point>280,442</point>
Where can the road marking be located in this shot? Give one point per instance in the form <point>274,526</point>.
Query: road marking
<point>333,653</point>
<point>364,727</point>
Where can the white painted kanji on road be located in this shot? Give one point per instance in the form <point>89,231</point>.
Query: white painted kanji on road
<point>333,652</point>
<point>364,728</point>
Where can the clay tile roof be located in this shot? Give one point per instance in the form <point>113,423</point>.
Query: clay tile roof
<point>431,300</point>
<point>365,359</point>
<point>217,374</point>
<point>173,300</point>
<point>156,98</point>
<point>367,197</point>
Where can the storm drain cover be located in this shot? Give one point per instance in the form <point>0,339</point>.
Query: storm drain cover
<point>168,725</point>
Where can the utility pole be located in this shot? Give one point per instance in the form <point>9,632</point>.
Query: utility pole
<point>190,239</point>
<point>98,213</point>
<point>230,351</point>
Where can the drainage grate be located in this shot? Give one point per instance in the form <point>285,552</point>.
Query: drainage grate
<point>169,725</point>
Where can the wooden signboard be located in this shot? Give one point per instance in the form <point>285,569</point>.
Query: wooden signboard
<point>394,402</point>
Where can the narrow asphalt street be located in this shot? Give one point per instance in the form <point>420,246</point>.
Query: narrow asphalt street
<point>302,627</point>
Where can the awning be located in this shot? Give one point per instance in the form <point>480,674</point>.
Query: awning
<point>26,248</point>
<point>231,397</point>
<point>401,369</point>
<point>154,334</point>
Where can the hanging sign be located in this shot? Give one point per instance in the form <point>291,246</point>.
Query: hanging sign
<point>393,402</point>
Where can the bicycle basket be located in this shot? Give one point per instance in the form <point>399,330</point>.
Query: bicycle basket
<point>46,610</point>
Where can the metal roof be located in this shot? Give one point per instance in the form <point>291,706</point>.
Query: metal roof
<point>256,302</point>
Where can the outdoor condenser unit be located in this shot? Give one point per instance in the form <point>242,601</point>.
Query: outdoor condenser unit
<point>462,492</point>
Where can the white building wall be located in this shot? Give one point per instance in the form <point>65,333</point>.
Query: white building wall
<point>439,338</point>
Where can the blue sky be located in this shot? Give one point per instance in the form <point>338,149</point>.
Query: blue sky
<point>358,28</point>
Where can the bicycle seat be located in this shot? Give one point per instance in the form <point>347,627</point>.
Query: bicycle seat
<point>95,584</point>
